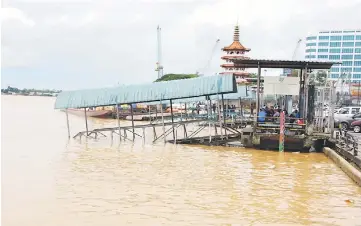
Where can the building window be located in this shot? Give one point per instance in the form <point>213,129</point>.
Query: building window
<point>357,57</point>
<point>334,75</point>
<point>346,69</point>
<point>311,56</point>
<point>336,31</point>
<point>311,38</point>
<point>347,63</point>
<point>334,57</point>
<point>348,37</point>
<point>336,38</point>
<point>357,63</point>
<point>335,69</point>
<point>311,44</point>
<point>323,44</point>
<point>357,76</point>
<point>347,50</point>
<point>335,50</point>
<point>357,43</point>
<point>324,38</point>
<point>357,69</point>
<point>322,57</point>
<point>347,57</point>
<point>335,44</point>
<point>357,50</point>
<point>323,50</point>
<point>358,37</point>
<point>348,44</point>
<point>310,50</point>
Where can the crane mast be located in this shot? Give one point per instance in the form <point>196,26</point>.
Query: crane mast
<point>159,67</point>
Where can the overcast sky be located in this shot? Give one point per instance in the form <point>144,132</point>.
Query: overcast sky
<point>71,44</point>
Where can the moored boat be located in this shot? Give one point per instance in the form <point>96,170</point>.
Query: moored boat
<point>99,113</point>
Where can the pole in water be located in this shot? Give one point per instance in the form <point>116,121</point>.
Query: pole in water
<point>224,117</point>
<point>131,113</point>
<point>67,122</point>
<point>282,132</point>
<point>86,122</point>
<point>117,111</point>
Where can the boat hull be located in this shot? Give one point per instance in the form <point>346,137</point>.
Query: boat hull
<point>91,113</point>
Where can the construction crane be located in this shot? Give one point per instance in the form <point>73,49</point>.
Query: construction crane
<point>210,58</point>
<point>297,47</point>
<point>159,67</point>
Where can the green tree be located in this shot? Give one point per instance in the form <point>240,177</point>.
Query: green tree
<point>169,77</point>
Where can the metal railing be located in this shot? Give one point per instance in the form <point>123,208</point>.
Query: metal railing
<point>347,142</point>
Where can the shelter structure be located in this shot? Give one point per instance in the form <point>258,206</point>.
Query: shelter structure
<point>155,92</point>
<point>305,99</point>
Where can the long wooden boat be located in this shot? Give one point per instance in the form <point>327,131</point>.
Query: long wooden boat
<point>91,113</point>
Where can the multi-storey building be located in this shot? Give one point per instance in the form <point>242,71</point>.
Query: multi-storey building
<point>343,46</point>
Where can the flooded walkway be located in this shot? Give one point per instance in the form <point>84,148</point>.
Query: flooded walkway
<point>48,181</point>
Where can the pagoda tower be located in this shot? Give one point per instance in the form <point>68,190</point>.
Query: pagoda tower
<point>234,51</point>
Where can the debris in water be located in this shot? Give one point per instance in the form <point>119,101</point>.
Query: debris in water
<point>349,201</point>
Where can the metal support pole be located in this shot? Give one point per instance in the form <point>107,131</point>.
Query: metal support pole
<point>131,113</point>
<point>86,122</point>
<point>161,111</point>
<point>171,115</point>
<point>224,116</point>
<point>257,95</point>
<point>185,111</point>
<point>209,119</point>
<point>358,92</point>
<point>300,107</point>
<point>117,111</point>
<point>150,115</point>
<point>67,122</point>
<point>306,94</point>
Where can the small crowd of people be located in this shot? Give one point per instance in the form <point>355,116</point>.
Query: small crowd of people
<point>272,114</point>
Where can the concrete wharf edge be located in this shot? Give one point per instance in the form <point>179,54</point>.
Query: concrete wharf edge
<point>345,166</point>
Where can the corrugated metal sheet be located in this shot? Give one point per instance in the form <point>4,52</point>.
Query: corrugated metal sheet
<point>241,93</point>
<point>186,88</point>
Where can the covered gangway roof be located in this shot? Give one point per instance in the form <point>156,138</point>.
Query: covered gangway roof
<point>293,64</point>
<point>131,94</point>
<point>242,93</point>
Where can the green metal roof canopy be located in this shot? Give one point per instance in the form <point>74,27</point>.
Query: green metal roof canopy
<point>131,94</point>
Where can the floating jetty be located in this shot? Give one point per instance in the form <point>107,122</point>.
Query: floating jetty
<point>219,128</point>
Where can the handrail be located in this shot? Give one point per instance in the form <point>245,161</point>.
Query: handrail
<point>347,142</point>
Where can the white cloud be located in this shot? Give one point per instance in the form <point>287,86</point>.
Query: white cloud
<point>110,41</point>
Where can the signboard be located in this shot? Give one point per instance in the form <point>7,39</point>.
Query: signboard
<point>281,85</point>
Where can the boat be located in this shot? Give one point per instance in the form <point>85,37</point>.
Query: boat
<point>99,113</point>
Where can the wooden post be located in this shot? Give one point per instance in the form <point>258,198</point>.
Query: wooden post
<point>171,115</point>
<point>131,113</point>
<point>117,111</point>
<point>67,122</point>
<point>86,122</point>
<point>281,146</point>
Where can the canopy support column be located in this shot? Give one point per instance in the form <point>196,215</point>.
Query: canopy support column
<point>171,114</point>
<point>224,117</point>
<point>131,113</point>
<point>67,122</point>
<point>161,111</point>
<point>117,111</point>
<point>209,119</point>
<point>86,122</point>
<point>257,96</point>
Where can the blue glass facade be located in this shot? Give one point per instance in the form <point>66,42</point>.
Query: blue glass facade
<point>341,46</point>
